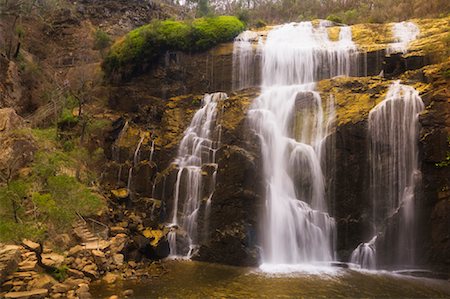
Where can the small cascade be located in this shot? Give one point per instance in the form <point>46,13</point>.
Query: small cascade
<point>244,59</point>
<point>152,150</point>
<point>394,165</point>
<point>292,123</point>
<point>136,160</point>
<point>404,33</point>
<point>365,255</point>
<point>196,157</point>
<point>298,53</point>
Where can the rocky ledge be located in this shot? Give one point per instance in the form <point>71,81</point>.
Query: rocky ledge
<point>27,271</point>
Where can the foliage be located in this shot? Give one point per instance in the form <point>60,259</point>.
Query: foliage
<point>65,196</point>
<point>67,118</point>
<point>60,273</point>
<point>348,11</point>
<point>334,18</point>
<point>12,231</point>
<point>143,45</point>
<point>44,202</point>
<point>446,162</point>
<point>101,40</point>
<point>260,23</point>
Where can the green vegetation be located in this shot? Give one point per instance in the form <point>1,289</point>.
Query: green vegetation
<point>446,162</point>
<point>43,201</point>
<point>143,45</point>
<point>101,40</point>
<point>334,18</point>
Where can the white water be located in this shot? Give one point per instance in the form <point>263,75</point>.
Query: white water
<point>136,159</point>
<point>197,149</point>
<point>394,165</point>
<point>244,59</point>
<point>292,122</point>
<point>365,255</point>
<point>404,33</point>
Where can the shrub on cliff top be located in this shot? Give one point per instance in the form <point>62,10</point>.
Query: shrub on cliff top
<point>143,45</point>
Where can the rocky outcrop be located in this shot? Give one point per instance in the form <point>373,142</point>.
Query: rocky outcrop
<point>12,94</point>
<point>434,151</point>
<point>17,147</point>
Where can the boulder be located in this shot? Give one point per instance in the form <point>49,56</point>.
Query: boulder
<point>52,259</point>
<point>118,259</point>
<point>61,288</point>
<point>110,278</point>
<point>43,281</point>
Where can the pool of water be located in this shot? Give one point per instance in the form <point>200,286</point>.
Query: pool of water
<point>187,279</point>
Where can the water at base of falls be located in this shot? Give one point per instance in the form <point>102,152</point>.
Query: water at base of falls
<point>197,150</point>
<point>292,123</point>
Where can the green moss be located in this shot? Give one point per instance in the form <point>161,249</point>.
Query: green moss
<point>143,45</point>
<point>354,97</point>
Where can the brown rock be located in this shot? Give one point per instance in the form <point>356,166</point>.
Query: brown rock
<point>43,281</point>
<point>75,273</point>
<point>30,244</point>
<point>75,250</point>
<point>61,288</point>
<point>37,293</point>
<point>128,293</point>
<point>74,282</point>
<point>118,259</point>
<point>52,259</point>
<point>110,278</point>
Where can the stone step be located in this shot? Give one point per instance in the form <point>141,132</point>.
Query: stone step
<point>38,293</point>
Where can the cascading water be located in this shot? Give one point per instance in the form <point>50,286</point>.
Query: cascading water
<point>196,151</point>
<point>290,120</point>
<point>394,172</point>
<point>404,33</point>
<point>394,164</point>
<point>365,255</point>
<point>244,60</point>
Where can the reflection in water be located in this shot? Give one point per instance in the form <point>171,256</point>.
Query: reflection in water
<point>202,280</point>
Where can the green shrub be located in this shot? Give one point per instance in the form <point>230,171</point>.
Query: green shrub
<point>260,23</point>
<point>11,231</point>
<point>67,118</point>
<point>334,18</point>
<point>101,40</point>
<point>144,44</point>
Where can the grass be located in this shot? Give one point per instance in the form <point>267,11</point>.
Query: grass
<point>142,46</point>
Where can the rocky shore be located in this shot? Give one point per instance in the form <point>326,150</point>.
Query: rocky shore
<point>21,276</point>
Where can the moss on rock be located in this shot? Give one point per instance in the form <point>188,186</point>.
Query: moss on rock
<point>354,97</point>
<point>142,46</point>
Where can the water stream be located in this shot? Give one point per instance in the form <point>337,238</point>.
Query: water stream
<point>298,229</point>
<point>404,33</point>
<point>196,151</point>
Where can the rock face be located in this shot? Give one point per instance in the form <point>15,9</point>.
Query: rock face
<point>160,107</point>
<point>11,91</point>
<point>17,148</point>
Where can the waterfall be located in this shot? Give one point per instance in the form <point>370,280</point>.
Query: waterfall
<point>394,165</point>
<point>135,162</point>
<point>196,154</point>
<point>292,122</point>
<point>244,59</point>
<point>365,255</point>
<point>404,33</point>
